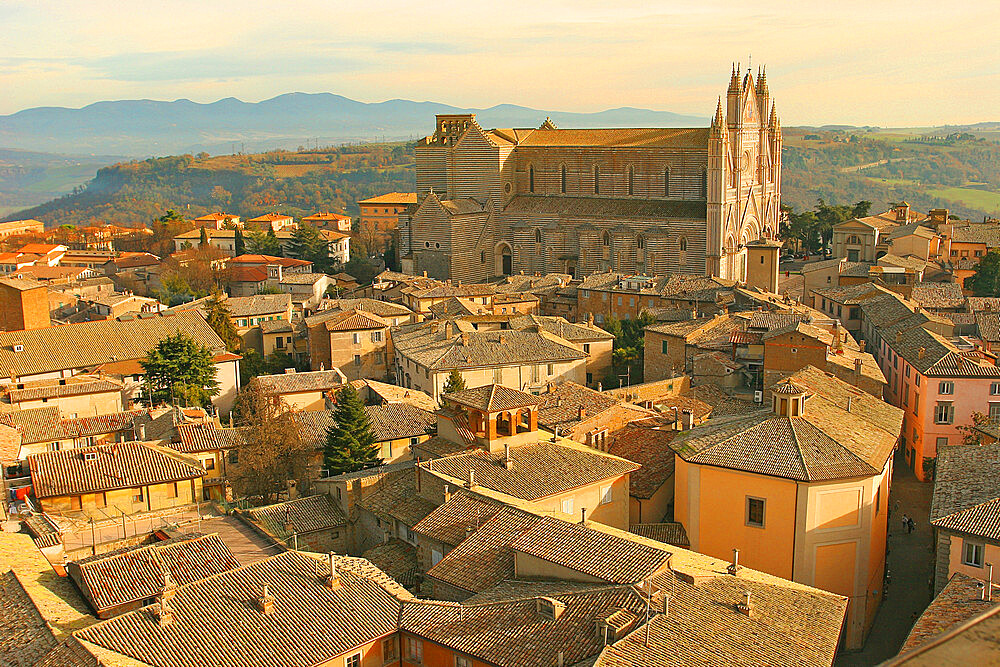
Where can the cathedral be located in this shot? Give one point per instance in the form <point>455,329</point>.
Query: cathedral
<point>638,200</point>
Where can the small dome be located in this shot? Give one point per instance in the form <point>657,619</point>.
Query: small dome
<point>787,387</point>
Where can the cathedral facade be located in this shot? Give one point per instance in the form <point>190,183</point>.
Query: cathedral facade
<point>656,201</point>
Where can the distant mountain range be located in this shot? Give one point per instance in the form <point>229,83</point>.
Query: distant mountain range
<point>142,128</point>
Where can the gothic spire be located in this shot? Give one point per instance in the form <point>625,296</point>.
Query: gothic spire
<point>762,81</point>
<point>734,80</point>
<point>718,121</point>
<point>774,122</point>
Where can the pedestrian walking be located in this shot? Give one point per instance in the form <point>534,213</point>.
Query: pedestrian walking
<point>910,525</point>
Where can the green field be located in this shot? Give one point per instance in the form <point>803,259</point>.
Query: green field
<point>61,179</point>
<point>983,200</point>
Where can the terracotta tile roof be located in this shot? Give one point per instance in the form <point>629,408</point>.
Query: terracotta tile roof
<point>978,232</point>
<point>462,206</point>
<point>378,308</point>
<point>313,425</point>
<point>426,345</point>
<point>826,442</point>
<point>35,424</point>
<point>560,326</point>
<point>989,326</point>
<point>451,521</point>
<point>438,447</point>
<point>247,274</point>
<point>979,303</point>
<point>396,498</point>
<point>270,217</point>
<point>399,420</point>
<point>456,307</point>
<point>444,291</point>
<point>69,653</point>
<point>722,404</point>
<point>960,600</point>
<point>290,383</point>
<point>303,515</point>
<point>620,137</point>
<point>608,557</point>
<point>100,424</point>
<point>791,625</point>
<point>671,532</point>
<point>938,295</point>
<point>264,260</point>
<point>485,558</point>
<point>400,198</point>
<point>310,624</point>
<point>605,207</point>
<point>276,326</point>
<point>492,398</point>
<point>91,344</point>
<point>136,573</point>
<point>302,278</point>
<point>121,465</point>
<point>396,558</point>
<point>391,393</point>
<point>80,385</point>
<point>355,320</point>
<point>511,633</point>
<point>561,403</point>
<point>539,470</point>
<point>973,641</point>
<point>967,490</point>
<point>849,294</point>
<point>259,304</point>
<point>650,448</point>
<point>25,637</point>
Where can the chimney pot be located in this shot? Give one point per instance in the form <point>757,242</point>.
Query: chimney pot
<point>734,568</point>
<point>265,603</point>
<point>582,412</point>
<point>447,493</point>
<point>744,607</point>
<point>472,478</point>
<point>333,578</point>
<point>583,516</point>
<point>508,462</point>
<point>921,352</point>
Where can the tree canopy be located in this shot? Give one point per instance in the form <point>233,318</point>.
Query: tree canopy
<point>627,355</point>
<point>986,280</point>
<point>179,370</point>
<point>220,319</point>
<point>350,445</point>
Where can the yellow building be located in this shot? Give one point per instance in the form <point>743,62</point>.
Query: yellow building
<point>301,391</point>
<point>510,460</point>
<point>80,396</point>
<point>118,478</point>
<point>800,489</point>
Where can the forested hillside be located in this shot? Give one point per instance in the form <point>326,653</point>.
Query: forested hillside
<point>297,183</point>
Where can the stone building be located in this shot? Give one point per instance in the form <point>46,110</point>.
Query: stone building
<point>657,200</point>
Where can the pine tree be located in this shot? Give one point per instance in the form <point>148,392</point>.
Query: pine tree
<point>204,238</point>
<point>454,382</point>
<point>350,445</point>
<point>180,369</point>
<point>239,245</point>
<point>220,319</point>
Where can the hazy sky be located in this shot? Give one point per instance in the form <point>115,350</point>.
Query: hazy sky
<point>878,62</point>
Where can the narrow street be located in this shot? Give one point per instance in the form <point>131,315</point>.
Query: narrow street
<point>911,564</point>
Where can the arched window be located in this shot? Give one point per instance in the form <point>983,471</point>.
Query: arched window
<point>482,256</point>
<point>684,244</point>
<point>605,239</point>
<point>631,180</point>
<point>538,236</point>
<point>704,183</point>
<point>640,241</point>
<point>666,182</point>
<point>562,179</point>
<point>531,179</point>
<point>597,180</point>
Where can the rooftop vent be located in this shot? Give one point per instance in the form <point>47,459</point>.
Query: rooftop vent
<point>744,607</point>
<point>265,603</point>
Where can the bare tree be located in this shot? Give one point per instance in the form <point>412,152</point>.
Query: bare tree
<point>271,452</point>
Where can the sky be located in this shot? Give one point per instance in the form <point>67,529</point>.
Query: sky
<point>873,62</point>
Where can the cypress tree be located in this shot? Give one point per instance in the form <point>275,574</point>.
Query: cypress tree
<point>239,245</point>
<point>350,445</point>
<point>204,238</point>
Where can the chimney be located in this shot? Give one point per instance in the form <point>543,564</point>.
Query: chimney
<point>425,274</point>
<point>164,616</point>
<point>857,366</point>
<point>583,516</point>
<point>332,581</point>
<point>600,386</point>
<point>448,329</point>
<point>508,462</point>
<point>744,607</point>
<point>501,339</point>
<point>861,345</point>
<point>688,420</point>
<point>590,319</point>
<point>558,401</point>
<point>447,493</point>
<point>472,478</point>
<point>899,336</point>
<point>921,352</point>
<point>265,603</point>
<point>581,413</point>
<point>465,338</point>
<point>734,567</point>
<point>850,400</point>
<point>142,431</point>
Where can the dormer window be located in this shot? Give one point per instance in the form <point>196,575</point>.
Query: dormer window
<point>90,456</point>
<point>18,347</point>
